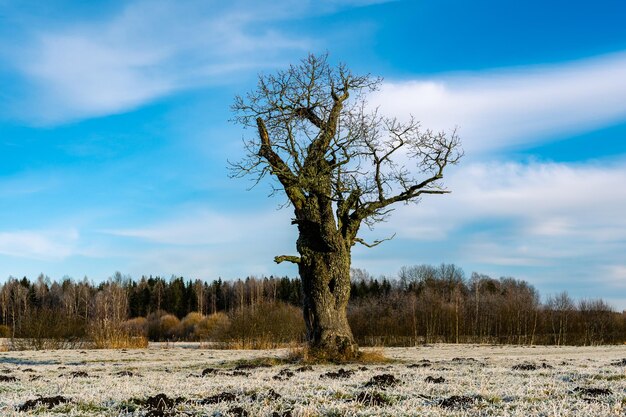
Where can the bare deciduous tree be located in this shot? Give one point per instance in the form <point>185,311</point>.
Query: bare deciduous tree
<point>340,165</point>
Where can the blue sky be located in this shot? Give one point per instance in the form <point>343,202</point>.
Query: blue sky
<point>115,132</point>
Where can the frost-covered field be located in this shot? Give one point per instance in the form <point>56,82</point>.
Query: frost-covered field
<point>438,380</point>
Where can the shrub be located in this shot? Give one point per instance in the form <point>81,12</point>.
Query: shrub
<point>266,325</point>
<point>137,326</point>
<point>188,325</point>
<point>213,327</point>
<point>5,331</point>
<point>106,334</point>
<point>46,328</point>
<point>163,326</point>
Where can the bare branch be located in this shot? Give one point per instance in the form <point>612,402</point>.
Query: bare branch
<point>287,258</point>
<point>327,149</point>
<point>374,243</point>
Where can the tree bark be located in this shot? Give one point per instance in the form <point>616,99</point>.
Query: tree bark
<point>326,285</point>
<point>324,268</point>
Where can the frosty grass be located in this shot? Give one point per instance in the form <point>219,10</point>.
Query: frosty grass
<point>562,384</point>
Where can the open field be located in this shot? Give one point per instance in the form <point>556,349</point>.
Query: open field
<point>437,380</point>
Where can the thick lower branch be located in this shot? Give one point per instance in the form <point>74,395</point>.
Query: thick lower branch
<point>287,258</point>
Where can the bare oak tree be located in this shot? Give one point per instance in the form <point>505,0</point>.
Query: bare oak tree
<point>341,165</point>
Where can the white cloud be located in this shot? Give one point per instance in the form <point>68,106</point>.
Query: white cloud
<point>540,214</point>
<point>202,227</point>
<point>151,49</point>
<point>558,226</point>
<point>25,184</point>
<point>513,107</point>
<point>39,244</point>
<point>205,244</point>
<point>616,276</point>
<point>83,76</point>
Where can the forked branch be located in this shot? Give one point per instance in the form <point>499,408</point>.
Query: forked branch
<point>374,243</point>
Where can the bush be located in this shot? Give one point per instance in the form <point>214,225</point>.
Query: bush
<point>105,334</point>
<point>188,325</point>
<point>169,326</point>
<point>137,326</point>
<point>46,328</point>
<point>213,327</point>
<point>163,326</point>
<point>267,325</point>
<point>5,331</point>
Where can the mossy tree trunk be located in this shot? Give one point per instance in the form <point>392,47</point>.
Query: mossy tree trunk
<point>324,268</point>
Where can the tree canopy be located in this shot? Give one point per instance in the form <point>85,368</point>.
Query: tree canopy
<point>317,135</point>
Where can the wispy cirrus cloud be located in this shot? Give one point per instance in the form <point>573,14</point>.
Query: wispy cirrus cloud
<point>201,243</point>
<point>141,54</point>
<point>151,49</point>
<point>39,244</point>
<point>507,108</point>
<point>194,227</point>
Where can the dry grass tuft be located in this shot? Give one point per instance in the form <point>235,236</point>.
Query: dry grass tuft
<point>373,355</point>
<point>305,355</point>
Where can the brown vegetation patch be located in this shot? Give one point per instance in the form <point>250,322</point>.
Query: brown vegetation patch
<point>218,398</point>
<point>372,398</point>
<point>304,368</point>
<point>238,373</point>
<point>340,374</point>
<point>161,401</point>
<point>47,402</point>
<point>382,381</point>
<point>317,356</point>
<point>161,405</point>
<point>524,367</point>
<point>248,366</point>
<point>238,412</point>
<point>459,401</point>
<point>464,360</point>
<point>528,366</point>
<point>593,392</point>
<point>125,373</point>
<point>209,371</point>
<point>433,380</point>
<point>424,363</point>
<point>372,356</point>
<point>283,375</point>
<point>273,395</point>
<point>286,413</point>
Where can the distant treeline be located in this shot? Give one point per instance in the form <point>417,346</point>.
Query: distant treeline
<point>424,304</point>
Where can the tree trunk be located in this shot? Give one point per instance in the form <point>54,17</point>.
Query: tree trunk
<point>325,273</point>
<point>326,285</point>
